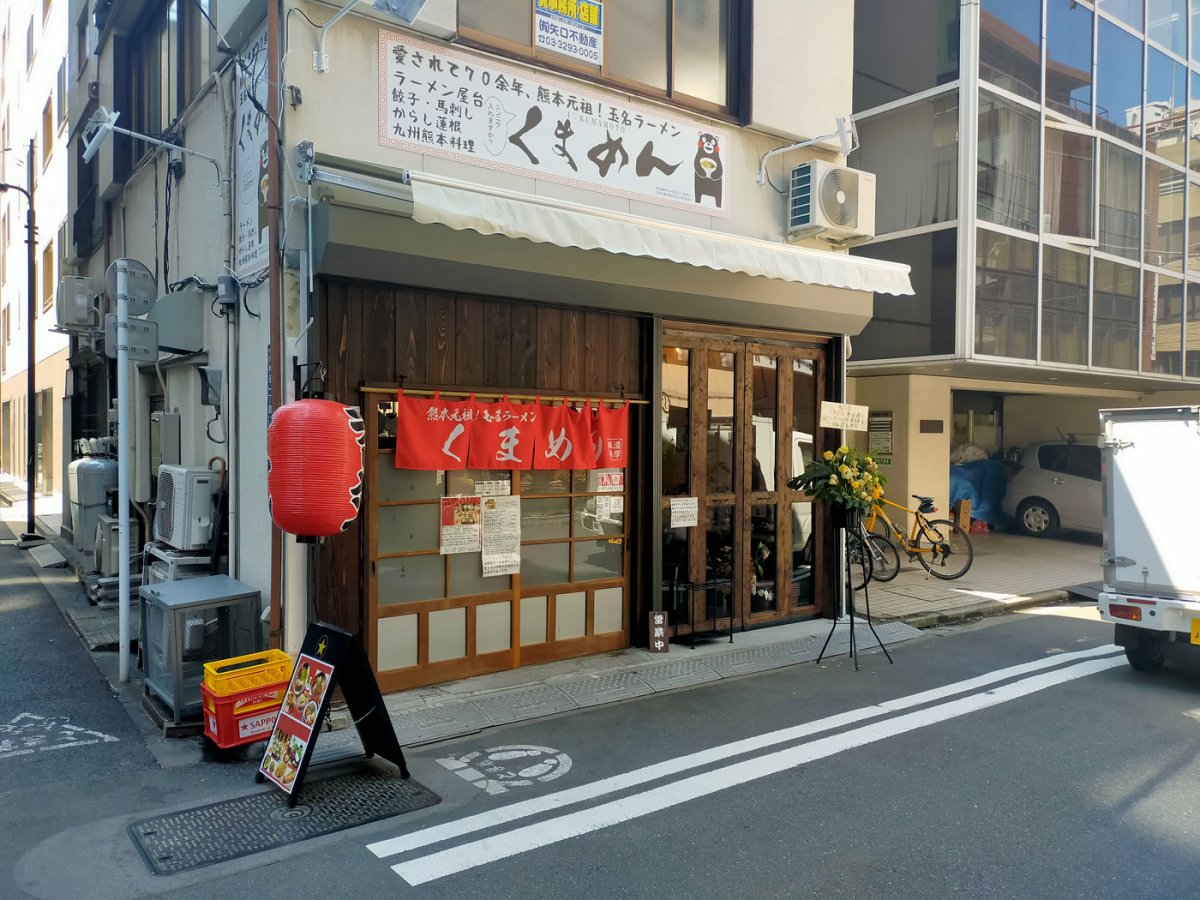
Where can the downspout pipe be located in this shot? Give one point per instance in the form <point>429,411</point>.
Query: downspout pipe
<point>275,294</point>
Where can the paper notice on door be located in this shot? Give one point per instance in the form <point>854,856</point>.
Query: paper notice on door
<point>501,536</point>
<point>685,512</point>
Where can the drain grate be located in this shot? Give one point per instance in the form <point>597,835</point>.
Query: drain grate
<point>233,828</point>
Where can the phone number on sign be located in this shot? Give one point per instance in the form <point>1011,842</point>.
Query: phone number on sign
<point>569,48</point>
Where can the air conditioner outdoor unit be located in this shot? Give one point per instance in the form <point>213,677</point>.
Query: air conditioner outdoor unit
<point>831,203</point>
<point>184,510</point>
<point>108,544</point>
<point>73,310</point>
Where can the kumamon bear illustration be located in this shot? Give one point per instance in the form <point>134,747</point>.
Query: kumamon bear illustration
<point>709,169</point>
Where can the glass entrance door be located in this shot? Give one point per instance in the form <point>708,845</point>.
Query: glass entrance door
<point>738,420</point>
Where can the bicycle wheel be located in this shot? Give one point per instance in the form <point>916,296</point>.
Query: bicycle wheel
<point>885,558</point>
<point>860,562</point>
<point>946,550</point>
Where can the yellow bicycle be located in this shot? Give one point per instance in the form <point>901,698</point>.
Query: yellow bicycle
<point>942,548</point>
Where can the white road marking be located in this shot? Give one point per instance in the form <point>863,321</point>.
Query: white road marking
<point>29,733</point>
<point>530,837</point>
<point>552,802</point>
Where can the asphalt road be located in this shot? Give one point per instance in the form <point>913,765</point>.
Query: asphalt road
<point>948,774</point>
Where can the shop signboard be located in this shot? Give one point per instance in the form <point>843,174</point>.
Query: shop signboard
<point>441,102</point>
<point>659,642</point>
<point>574,28</point>
<point>329,656</point>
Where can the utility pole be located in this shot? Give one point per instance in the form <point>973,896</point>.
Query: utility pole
<point>30,533</point>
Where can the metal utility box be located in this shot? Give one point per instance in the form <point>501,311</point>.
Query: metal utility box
<point>1150,489</point>
<point>186,624</point>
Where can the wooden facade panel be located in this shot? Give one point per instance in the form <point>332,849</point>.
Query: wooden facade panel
<point>410,335</point>
<point>470,334</point>
<point>622,337</point>
<point>439,339</point>
<point>574,361</point>
<point>596,350</point>
<point>549,348</point>
<point>524,365</point>
<point>498,346</point>
<point>378,346</point>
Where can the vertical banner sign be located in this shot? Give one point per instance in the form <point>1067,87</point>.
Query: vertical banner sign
<point>460,525</point>
<point>658,642</point>
<point>438,101</point>
<point>251,177</point>
<point>501,536</point>
<point>432,433</point>
<point>574,28</point>
<point>329,656</point>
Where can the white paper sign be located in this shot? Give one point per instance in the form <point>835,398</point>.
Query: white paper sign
<point>501,536</point>
<point>879,433</point>
<point>843,416</point>
<point>250,163</point>
<point>685,512</point>
<point>493,488</point>
<point>574,28</point>
<point>437,101</point>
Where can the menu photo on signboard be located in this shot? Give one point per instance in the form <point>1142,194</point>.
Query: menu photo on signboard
<point>460,525</point>
<point>297,720</point>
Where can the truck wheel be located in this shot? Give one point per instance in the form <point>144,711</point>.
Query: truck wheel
<point>1037,517</point>
<point>1146,655</point>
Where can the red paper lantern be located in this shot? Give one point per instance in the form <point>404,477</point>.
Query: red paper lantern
<point>315,467</point>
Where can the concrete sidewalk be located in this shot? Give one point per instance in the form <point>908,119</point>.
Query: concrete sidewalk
<point>1009,572</point>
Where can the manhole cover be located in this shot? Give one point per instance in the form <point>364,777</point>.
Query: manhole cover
<point>234,828</point>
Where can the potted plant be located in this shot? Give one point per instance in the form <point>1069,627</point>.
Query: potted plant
<point>850,481</point>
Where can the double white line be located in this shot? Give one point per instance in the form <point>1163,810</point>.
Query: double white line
<point>549,831</point>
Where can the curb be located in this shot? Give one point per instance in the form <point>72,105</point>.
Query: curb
<point>983,609</point>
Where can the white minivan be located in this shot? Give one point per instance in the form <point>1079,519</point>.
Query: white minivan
<point>1056,486</point>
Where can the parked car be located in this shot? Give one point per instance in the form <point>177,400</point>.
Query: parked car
<point>1056,485</point>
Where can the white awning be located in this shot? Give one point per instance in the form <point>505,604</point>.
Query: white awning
<point>467,206</point>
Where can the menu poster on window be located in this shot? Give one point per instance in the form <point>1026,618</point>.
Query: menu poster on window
<point>438,101</point>
<point>501,536</point>
<point>460,525</point>
<point>685,512</point>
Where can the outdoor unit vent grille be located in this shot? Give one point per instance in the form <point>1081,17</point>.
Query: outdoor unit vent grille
<point>165,525</point>
<point>831,203</point>
<point>184,506</point>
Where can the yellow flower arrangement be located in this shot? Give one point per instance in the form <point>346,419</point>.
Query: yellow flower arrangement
<point>842,476</point>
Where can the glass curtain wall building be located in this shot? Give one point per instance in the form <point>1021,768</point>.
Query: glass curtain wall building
<point>1038,166</point>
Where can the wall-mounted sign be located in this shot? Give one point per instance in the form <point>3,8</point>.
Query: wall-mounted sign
<point>843,416</point>
<point>501,536</point>
<point>879,433</point>
<point>251,177</point>
<point>574,28</point>
<point>438,101</point>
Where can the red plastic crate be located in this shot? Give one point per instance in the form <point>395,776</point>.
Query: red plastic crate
<point>243,717</point>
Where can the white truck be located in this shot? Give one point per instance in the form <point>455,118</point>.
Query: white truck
<point>1150,475</point>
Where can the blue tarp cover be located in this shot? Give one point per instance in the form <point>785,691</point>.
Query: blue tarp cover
<point>983,483</point>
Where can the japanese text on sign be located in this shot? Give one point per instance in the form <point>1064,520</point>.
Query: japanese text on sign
<point>250,162</point>
<point>574,28</point>
<point>501,536</point>
<point>659,642</point>
<point>439,101</point>
<point>843,415</point>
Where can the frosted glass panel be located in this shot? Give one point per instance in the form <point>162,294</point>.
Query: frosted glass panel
<point>397,643</point>
<point>466,577</point>
<point>533,620</point>
<point>447,634</point>
<point>411,578</point>
<point>493,623</point>
<point>570,616</point>
<point>609,609</point>
<point>404,528</point>
<point>407,484</point>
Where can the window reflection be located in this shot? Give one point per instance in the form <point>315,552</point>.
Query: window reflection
<point>804,414</point>
<point>674,412</point>
<point>1166,106</point>
<point>1165,347</point>
<point>1118,83</point>
<point>1115,316</point>
<point>1069,59</point>
<point>1008,164</point>
<point>1191,335</point>
<point>1120,229</point>
<point>1167,24</point>
<point>1067,188</point>
<point>1010,50</point>
<point>1064,306</point>
<point>1164,215</point>
<point>1005,295</point>
<point>1128,11</point>
<point>764,376</point>
<point>720,430</point>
